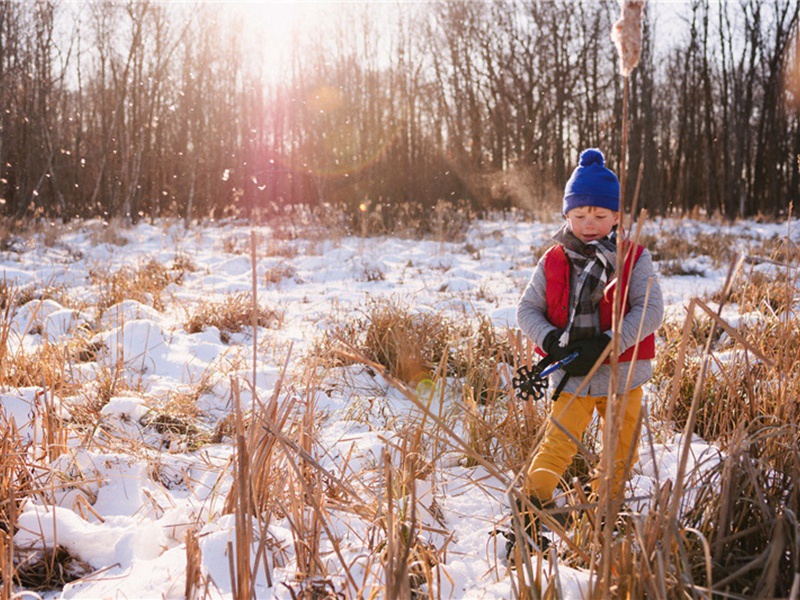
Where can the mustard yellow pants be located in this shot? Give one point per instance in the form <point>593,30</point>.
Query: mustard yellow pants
<point>574,413</point>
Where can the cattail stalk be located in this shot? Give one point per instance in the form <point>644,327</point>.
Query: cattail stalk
<point>627,37</point>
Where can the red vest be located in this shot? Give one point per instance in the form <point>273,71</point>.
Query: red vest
<point>556,269</point>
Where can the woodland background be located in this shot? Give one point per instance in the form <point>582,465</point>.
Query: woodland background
<point>132,109</point>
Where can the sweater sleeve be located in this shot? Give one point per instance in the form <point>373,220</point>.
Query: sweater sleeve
<point>532,308</point>
<point>645,310</point>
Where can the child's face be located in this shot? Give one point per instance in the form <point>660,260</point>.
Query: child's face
<point>591,222</point>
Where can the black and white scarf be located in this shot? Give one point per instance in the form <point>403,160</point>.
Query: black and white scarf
<point>594,265</point>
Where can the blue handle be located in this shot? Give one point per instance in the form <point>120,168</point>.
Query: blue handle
<point>558,364</point>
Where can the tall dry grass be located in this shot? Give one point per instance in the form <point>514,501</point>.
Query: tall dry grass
<point>741,392</point>
<point>25,473</point>
<point>276,475</point>
<point>728,530</point>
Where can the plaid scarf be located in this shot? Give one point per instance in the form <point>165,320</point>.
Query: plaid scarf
<point>593,267</point>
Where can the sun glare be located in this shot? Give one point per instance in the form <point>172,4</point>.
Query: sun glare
<point>270,29</point>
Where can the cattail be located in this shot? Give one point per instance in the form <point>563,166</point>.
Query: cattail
<point>627,35</point>
<point>791,75</point>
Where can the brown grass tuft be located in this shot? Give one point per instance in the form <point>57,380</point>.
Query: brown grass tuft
<point>183,263</point>
<point>107,232</point>
<point>38,569</point>
<point>407,343</point>
<point>760,292</point>
<point>745,513</point>
<point>278,273</point>
<point>411,564</point>
<point>674,249</point>
<point>196,583</point>
<point>91,398</point>
<point>499,427</point>
<point>231,315</point>
<point>176,419</point>
<point>145,284</point>
<point>47,366</point>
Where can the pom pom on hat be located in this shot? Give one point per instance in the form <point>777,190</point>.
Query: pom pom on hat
<point>592,156</point>
<point>591,183</point>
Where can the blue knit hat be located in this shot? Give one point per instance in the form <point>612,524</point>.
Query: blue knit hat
<point>591,184</point>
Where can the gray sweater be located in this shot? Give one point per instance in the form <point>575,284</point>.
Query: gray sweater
<point>532,320</point>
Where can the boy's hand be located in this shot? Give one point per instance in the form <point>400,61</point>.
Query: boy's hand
<point>589,350</point>
<point>551,346</point>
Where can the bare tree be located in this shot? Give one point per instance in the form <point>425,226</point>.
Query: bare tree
<point>146,108</point>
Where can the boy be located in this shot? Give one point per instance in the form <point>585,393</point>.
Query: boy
<point>567,307</point>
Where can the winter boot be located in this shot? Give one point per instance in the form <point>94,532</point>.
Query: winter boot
<point>529,526</point>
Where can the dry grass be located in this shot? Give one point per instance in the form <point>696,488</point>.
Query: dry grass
<point>108,382</point>
<point>8,292</point>
<point>425,351</point>
<point>748,368</point>
<point>145,284</point>
<point>277,475</point>
<point>107,232</point>
<point>196,582</point>
<point>763,293</point>
<point>231,315</point>
<point>12,296</point>
<point>14,475</point>
<point>279,273</point>
<point>279,444</point>
<point>780,249</point>
<point>16,482</point>
<point>673,249</point>
<point>180,431</point>
<point>744,519</point>
<point>409,344</point>
<point>411,565</point>
<point>31,567</point>
<point>46,366</point>
<point>47,569</point>
<point>738,388</point>
<point>498,427</point>
<point>422,349</point>
<point>183,263</point>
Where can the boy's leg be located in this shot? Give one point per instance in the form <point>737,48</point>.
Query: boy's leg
<point>626,452</point>
<point>557,449</point>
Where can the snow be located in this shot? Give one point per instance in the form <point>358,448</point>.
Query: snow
<point>131,503</point>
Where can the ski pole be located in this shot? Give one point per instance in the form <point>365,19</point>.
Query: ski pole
<point>559,363</point>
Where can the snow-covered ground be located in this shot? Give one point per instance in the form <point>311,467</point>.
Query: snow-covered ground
<point>128,495</point>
